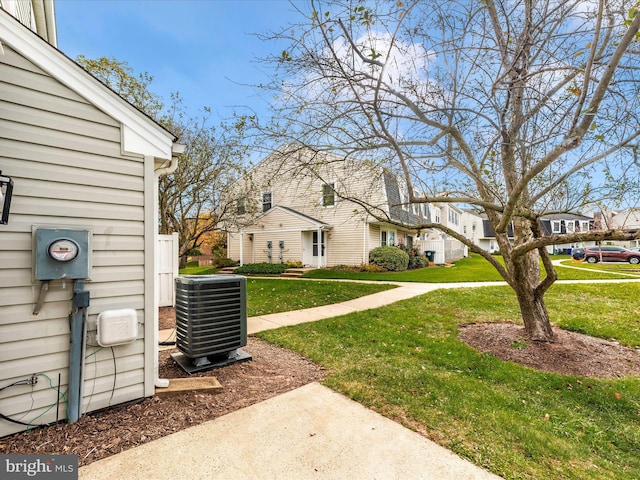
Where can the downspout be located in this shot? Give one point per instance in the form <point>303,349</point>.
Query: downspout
<point>37,7</point>
<point>241,249</point>
<point>50,19</point>
<point>176,151</point>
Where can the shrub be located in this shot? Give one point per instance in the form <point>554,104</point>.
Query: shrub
<point>416,259</point>
<point>389,258</point>
<point>371,268</point>
<point>262,269</point>
<point>294,264</point>
<point>224,262</point>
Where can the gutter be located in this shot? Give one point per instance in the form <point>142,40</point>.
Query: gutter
<point>177,149</point>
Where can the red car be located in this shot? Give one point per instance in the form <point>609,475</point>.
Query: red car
<point>609,254</point>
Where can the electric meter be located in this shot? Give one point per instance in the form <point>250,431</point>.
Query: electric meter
<point>63,250</point>
<point>61,253</point>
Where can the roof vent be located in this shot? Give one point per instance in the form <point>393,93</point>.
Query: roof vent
<point>211,321</point>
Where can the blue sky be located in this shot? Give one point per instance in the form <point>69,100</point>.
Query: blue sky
<point>201,48</point>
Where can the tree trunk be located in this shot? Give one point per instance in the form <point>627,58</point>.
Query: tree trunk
<point>534,314</point>
<point>526,273</point>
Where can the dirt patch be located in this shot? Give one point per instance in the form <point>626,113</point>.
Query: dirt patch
<point>272,371</point>
<point>166,318</point>
<point>571,353</point>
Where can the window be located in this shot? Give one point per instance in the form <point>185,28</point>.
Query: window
<point>409,240</point>
<point>436,215</point>
<point>387,237</point>
<point>328,195</point>
<point>266,201</point>
<point>584,226</point>
<point>240,207</point>
<point>570,226</point>
<point>454,217</point>
<point>555,226</point>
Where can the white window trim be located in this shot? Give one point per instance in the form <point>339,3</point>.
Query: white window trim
<point>242,201</point>
<point>389,234</point>
<point>262,202</point>
<point>554,224</point>
<point>332,184</point>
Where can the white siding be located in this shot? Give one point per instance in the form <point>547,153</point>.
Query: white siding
<point>65,158</point>
<point>302,192</point>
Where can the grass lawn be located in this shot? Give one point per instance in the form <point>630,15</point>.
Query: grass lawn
<point>405,361</point>
<point>614,268</point>
<point>472,269</point>
<point>195,270</point>
<point>266,296</point>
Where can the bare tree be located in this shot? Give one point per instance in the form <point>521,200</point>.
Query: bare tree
<point>191,199</point>
<point>518,108</point>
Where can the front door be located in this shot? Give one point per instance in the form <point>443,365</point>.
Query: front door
<point>312,250</point>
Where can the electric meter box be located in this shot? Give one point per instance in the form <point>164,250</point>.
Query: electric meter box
<point>62,253</point>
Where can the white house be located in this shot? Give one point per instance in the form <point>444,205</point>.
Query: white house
<point>627,219</point>
<point>292,207</point>
<point>446,248</point>
<point>80,159</point>
<point>477,228</point>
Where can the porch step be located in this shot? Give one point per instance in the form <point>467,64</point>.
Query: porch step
<point>295,272</point>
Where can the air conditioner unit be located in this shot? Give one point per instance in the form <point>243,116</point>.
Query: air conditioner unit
<point>211,321</point>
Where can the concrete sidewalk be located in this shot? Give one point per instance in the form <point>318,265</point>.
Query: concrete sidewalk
<point>308,433</point>
<point>403,291</point>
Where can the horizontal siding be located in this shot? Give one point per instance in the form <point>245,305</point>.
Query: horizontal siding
<point>57,365</point>
<point>62,209</point>
<point>278,220</point>
<point>26,133</point>
<point>77,193</point>
<point>233,250</point>
<point>345,245</point>
<point>36,117</point>
<point>61,159</point>
<point>66,160</point>
<point>292,247</point>
<point>303,193</point>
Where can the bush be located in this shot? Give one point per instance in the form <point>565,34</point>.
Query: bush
<point>416,259</point>
<point>294,264</point>
<point>371,268</point>
<point>262,269</point>
<point>224,262</point>
<point>389,258</point>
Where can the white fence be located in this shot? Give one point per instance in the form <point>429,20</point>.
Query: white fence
<point>167,268</point>
<point>446,250</point>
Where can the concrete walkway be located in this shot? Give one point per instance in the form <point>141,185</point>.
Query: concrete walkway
<point>308,433</point>
<point>403,291</point>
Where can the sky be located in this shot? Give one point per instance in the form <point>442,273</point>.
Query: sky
<point>203,49</point>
